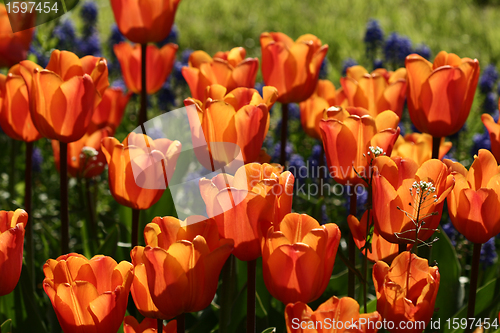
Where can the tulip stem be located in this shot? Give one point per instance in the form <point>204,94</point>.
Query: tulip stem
<point>135,227</point>
<point>143,113</point>
<point>476,256</point>
<point>181,323</point>
<point>159,325</point>
<point>92,217</point>
<point>436,142</point>
<point>63,163</point>
<point>251,272</point>
<point>402,248</point>
<point>284,128</point>
<point>28,172</point>
<point>351,283</point>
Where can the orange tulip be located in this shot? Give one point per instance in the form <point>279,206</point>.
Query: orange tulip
<point>379,91</point>
<point>440,95</point>
<point>85,157</point>
<point>333,316</point>
<point>183,260</point>
<point>143,22</point>
<point>109,112</point>
<point>406,291</point>
<point>12,226</point>
<point>159,63</point>
<point>474,203</point>
<point>148,325</point>
<point>404,192</point>
<point>88,295</point>
<point>15,118</point>
<point>494,131</point>
<point>240,117</point>
<point>380,248</point>
<point>14,46</point>
<point>347,138</point>
<point>245,206</point>
<point>291,67</point>
<point>138,168</point>
<point>230,69</point>
<point>311,110</point>
<point>297,258</point>
<point>418,147</point>
<point>63,97</point>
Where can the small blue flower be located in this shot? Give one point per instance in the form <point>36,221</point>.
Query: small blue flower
<point>37,159</point>
<point>402,131</point>
<point>451,232</point>
<point>488,253</point>
<point>297,167</point>
<point>275,157</point>
<point>349,62</point>
<point>315,161</point>
<point>488,79</point>
<point>185,56</point>
<point>119,83</point>
<point>90,45</point>
<point>374,35</point>
<point>166,97</point>
<point>378,63</point>
<point>323,70</point>
<point>88,13</point>
<point>66,35</point>
<point>293,111</point>
<point>481,141</point>
<point>423,50</point>
<point>490,103</point>
<point>396,49</point>
<point>115,37</point>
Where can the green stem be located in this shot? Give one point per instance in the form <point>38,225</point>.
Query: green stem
<point>181,323</point>
<point>92,217</point>
<point>63,163</point>
<point>351,283</point>
<point>476,256</point>
<point>251,272</point>
<point>143,114</point>
<point>284,128</point>
<point>227,292</point>
<point>436,142</point>
<point>159,325</point>
<point>28,172</point>
<point>135,227</point>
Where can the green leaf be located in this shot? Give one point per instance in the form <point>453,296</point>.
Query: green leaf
<point>487,297</point>
<point>6,327</point>
<point>269,330</point>
<point>110,244</point>
<point>447,301</point>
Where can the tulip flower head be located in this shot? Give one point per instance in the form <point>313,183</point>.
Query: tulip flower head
<point>406,291</point>
<point>334,315</point>
<point>418,147</point>
<point>494,131</point>
<point>139,168</point>
<point>15,117</point>
<point>440,94</point>
<point>240,117</point>
<point>147,21</point>
<point>148,325</point>
<point>245,206</point>
<point>351,138</point>
<point>109,112</point>
<point>88,294</point>
<point>14,46</point>
<point>474,203</point>
<point>298,257</point>
<point>311,110</point>
<point>379,91</point>
<point>12,227</point>
<point>229,69</point>
<point>292,67</point>
<point>63,96</point>
<point>159,64</point>
<point>407,199</point>
<point>183,261</point>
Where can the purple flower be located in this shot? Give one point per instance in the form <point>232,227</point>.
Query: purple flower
<point>488,79</point>
<point>423,50</point>
<point>396,49</point>
<point>349,62</point>
<point>488,253</point>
